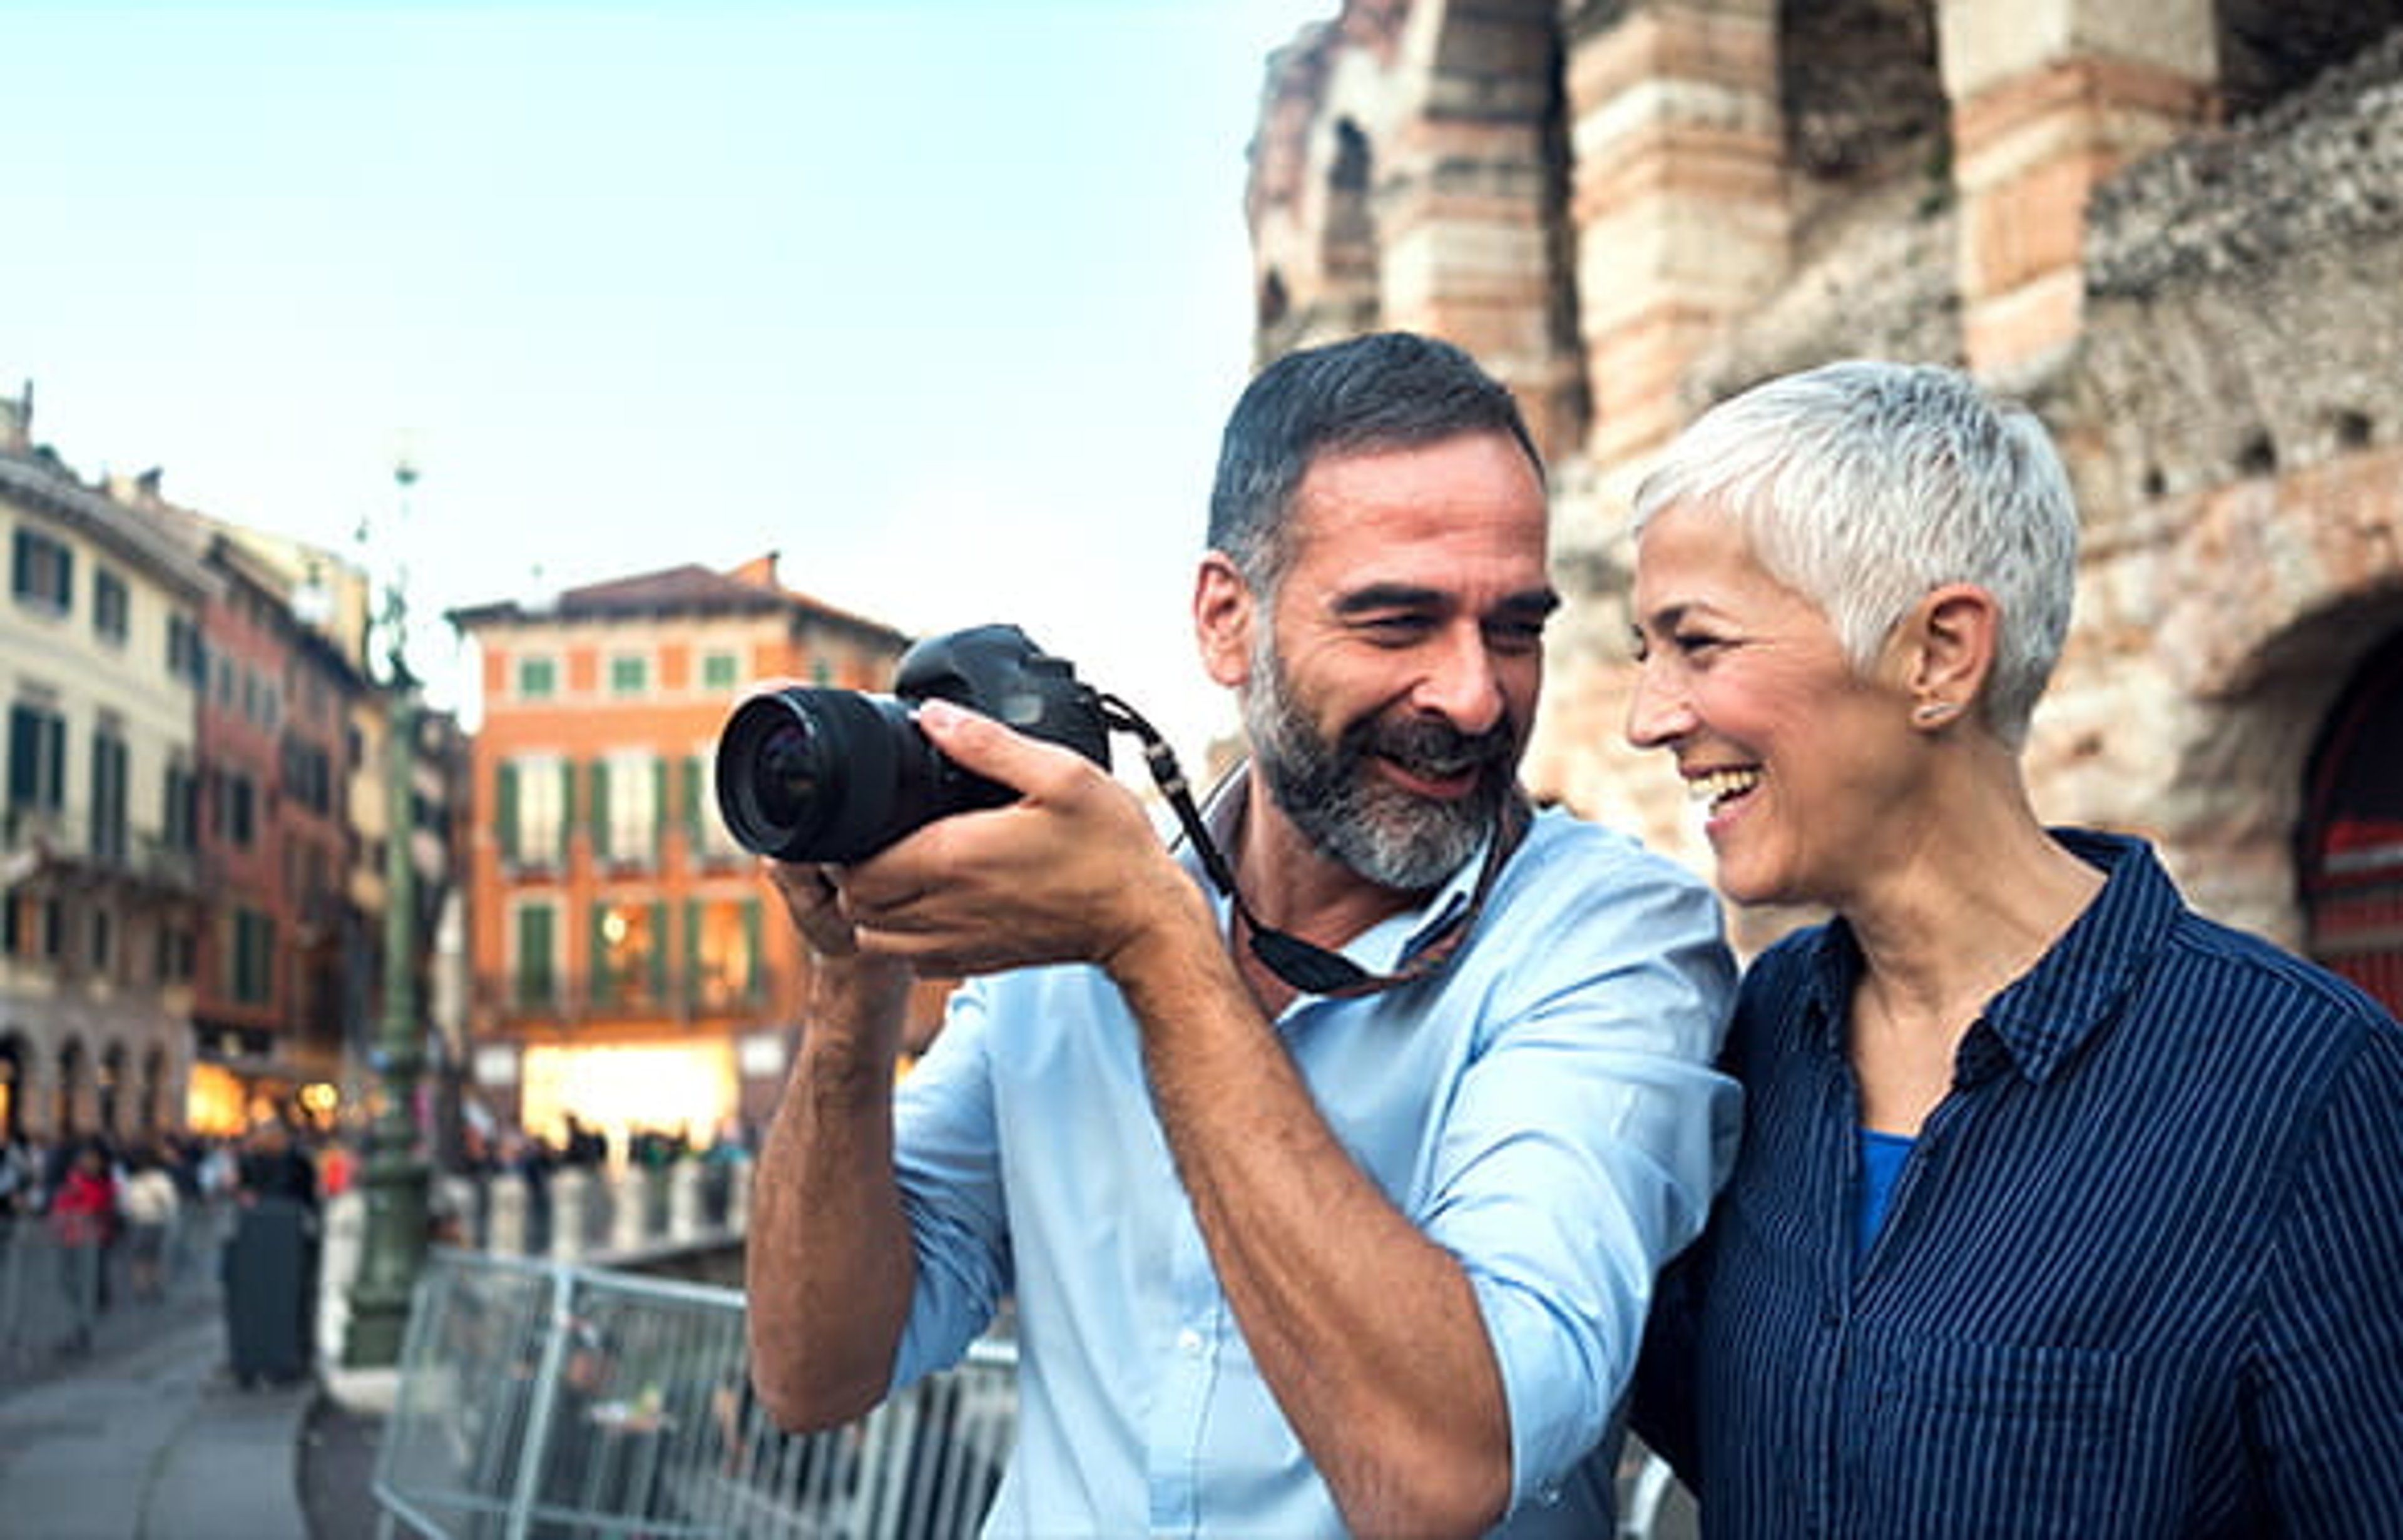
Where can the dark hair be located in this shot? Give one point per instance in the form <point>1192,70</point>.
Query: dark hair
<point>1388,390</point>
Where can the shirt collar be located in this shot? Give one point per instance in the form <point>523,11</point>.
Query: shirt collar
<point>2040,1019</point>
<point>1384,946</point>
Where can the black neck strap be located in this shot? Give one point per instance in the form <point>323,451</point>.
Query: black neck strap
<point>1306,965</point>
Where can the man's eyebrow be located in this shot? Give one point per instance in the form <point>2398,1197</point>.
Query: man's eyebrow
<point>1533,602</point>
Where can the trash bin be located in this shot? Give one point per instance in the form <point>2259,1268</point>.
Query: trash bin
<point>270,1294</point>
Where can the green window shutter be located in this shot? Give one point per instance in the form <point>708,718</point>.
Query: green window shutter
<point>600,809</point>
<point>658,958</point>
<point>600,952</point>
<point>692,981</point>
<point>693,770</point>
<point>535,953</point>
<point>566,810</point>
<point>507,813</point>
<point>659,805</point>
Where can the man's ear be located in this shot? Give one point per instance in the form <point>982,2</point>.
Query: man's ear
<point>1949,639</point>
<point>1223,617</point>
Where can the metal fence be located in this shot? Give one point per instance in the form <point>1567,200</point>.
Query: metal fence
<point>538,1398</point>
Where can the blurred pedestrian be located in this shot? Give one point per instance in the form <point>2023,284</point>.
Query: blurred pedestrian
<point>149,1203</point>
<point>82,1218</point>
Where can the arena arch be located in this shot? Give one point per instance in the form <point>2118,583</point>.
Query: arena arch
<point>2349,848</point>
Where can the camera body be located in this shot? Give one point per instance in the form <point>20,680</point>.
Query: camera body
<point>834,775</point>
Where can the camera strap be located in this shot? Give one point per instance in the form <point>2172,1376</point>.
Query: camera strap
<point>1306,965</point>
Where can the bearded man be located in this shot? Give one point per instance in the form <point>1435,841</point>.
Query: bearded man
<point>1329,1195</point>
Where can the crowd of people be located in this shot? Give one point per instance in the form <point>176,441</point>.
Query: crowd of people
<point>124,1219</point>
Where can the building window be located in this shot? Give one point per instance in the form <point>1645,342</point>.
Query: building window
<point>308,774</point>
<point>706,835</point>
<point>531,818</point>
<point>629,673</point>
<point>44,572</point>
<point>179,820</point>
<point>721,942</point>
<point>535,973</point>
<point>187,658</point>
<point>110,605</point>
<point>253,958</point>
<point>107,794</point>
<point>627,799</point>
<point>37,762</point>
<point>629,961</point>
<point>720,671</point>
<point>175,956</point>
<point>234,809</point>
<point>537,678</point>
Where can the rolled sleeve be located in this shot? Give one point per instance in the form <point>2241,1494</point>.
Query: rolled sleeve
<point>1584,1148</point>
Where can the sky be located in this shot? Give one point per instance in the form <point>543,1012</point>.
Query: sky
<point>944,300</point>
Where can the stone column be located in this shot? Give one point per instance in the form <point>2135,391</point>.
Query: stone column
<point>1466,204</point>
<point>2049,98</point>
<point>1679,203</point>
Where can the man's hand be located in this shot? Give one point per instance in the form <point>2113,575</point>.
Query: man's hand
<point>1073,871</point>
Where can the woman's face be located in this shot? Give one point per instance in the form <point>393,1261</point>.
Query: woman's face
<point>1801,760</point>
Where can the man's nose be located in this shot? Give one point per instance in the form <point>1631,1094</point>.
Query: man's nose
<point>1463,684</point>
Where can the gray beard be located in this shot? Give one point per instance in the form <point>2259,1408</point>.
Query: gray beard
<point>1380,832</point>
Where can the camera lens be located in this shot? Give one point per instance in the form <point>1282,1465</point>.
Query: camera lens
<point>821,774</point>
<point>791,771</point>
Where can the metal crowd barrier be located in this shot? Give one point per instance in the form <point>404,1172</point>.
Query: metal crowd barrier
<point>538,1398</point>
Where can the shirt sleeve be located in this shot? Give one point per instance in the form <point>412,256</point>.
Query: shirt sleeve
<point>1587,1141</point>
<point>2329,1399</point>
<point>948,1162</point>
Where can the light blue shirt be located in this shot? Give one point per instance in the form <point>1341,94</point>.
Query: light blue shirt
<point>1544,1108</point>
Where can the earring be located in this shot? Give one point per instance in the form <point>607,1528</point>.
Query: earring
<point>1928,713</point>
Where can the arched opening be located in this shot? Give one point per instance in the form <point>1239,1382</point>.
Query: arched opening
<point>15,1058</point>
<point>2350,854</point>
<point>1348,239</point>
<point>108,1088</point>
<point>1862,93</point>
<point>68,1092</point>
<point>154,1093</point>
<point>2270,49</point>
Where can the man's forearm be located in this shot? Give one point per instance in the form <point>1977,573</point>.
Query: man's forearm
<point>827,1260</point>
<point>1367,1332</point>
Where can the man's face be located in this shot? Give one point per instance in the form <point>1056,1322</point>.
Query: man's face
<point>1394,675</point>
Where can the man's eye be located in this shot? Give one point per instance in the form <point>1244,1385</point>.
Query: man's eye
<point>1515,636</point>
<point>1694,642</point>
<point>1395,630</point>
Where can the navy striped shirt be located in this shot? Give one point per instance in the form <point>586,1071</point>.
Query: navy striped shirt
<point>2142,1275</point>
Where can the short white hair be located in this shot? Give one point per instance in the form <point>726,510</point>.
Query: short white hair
<point>1865,485</point>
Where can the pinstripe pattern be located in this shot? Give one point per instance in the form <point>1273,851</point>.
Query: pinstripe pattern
<point>2142,1276</point>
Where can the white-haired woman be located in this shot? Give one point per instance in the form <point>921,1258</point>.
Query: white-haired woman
<point>2060,1210</point>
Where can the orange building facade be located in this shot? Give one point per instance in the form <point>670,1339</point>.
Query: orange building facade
<point>628,965</point>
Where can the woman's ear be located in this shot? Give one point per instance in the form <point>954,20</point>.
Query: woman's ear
<point>1949,638</point>
<point>1222,619</point>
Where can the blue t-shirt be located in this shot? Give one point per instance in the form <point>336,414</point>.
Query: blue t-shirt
<point>1882,1156</point>
<point>1545,1109</point>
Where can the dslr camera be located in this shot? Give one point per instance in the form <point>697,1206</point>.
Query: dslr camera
<point>834,775</point>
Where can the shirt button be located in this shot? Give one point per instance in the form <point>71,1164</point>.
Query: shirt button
<point>1189,1342</point>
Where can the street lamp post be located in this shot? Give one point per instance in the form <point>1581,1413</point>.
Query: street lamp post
<point>394,1177</point>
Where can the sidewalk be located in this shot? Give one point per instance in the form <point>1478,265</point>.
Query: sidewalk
<point>149,1438</point>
